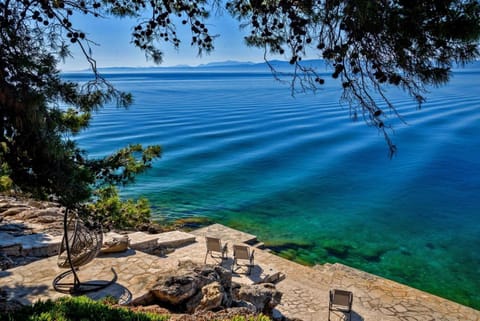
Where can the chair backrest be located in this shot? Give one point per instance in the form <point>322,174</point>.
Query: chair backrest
<point>341,297</point>
<point>213,244</point>
<point>85,241</point>
<point>241,252</point>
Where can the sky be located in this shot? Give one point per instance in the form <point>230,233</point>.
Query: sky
<point>114,48</point>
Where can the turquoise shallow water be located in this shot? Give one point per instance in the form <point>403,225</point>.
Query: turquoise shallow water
<point>310,183</point>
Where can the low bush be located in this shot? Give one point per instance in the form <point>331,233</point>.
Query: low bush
<point>79,308</point>
<point>117,213</point>
<point>82,308</point>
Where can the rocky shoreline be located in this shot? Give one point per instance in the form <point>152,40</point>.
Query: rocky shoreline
<point>191,292</point>
<point>144,275</point>
<point>25,219</point>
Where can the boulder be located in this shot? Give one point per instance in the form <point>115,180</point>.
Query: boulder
<point>117,244</point>
<point>29,214</point>
<point>191,304</point>
<point>176,289</point>
<point>41,204</point>
<point>263,296</point>
<point>189,281</point>
<point>212,297</point>
<point>49,215</point>
<point>146,299</point>
<point>14,211</point>
<point>245,305</point>
<point>195,288</point>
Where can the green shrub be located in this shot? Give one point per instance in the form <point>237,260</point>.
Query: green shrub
<point>6,183</point>
<point>82,308</point>
<point>79,308</point>
<point>116,213</point>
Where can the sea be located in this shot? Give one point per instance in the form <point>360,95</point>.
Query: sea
<point>243,149</point>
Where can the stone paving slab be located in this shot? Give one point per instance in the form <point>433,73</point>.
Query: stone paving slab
<point>225,233</point>
<point>39,244</point>
<point>305,289</point>
<point>136,272</point>
<point>175,239</point>
<point>142,241</point>
<point>395,300</point>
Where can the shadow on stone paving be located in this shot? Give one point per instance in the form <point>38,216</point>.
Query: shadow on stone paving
<point>344,316</point>
<point>340,316</point>
<point>356,316</point>
<point>4,274</point>
<point>116,290</point>
<point>16,229</point>
<point>257,273</point>
<point>10,296</point>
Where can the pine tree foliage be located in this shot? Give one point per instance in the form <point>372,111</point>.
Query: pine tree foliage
<point>41,113</point>
<point>369,45</point>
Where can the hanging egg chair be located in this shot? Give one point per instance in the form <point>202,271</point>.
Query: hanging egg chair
<point>81,243</point>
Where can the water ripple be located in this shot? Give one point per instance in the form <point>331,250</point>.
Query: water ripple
<point>299,170</point>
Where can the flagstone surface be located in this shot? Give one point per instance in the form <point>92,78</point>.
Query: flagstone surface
<point>305,289</point>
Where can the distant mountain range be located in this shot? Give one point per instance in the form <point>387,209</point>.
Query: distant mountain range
<point>245,66</point>
<point>229,65</point>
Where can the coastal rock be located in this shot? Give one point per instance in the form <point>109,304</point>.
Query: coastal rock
<point>264,296</point>
<point>41,204</point>
<point>212,297</point>
<point>24,223</point>
<point>186,283</point>
<point>151,227</point>
<point>13,211</point>
<point>49,215</point>
<point>245,305</point>
<point>193,288</point>
<point>117,244</point>
<point>28,214</point>
<point>36,216</point>
<point>146,299</point>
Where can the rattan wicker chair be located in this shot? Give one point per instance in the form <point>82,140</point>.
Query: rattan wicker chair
<point>82,241</point>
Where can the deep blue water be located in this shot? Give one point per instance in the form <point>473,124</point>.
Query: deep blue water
<point>306,179</point>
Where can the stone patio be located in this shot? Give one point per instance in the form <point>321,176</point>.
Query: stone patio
<point>305,289</point>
